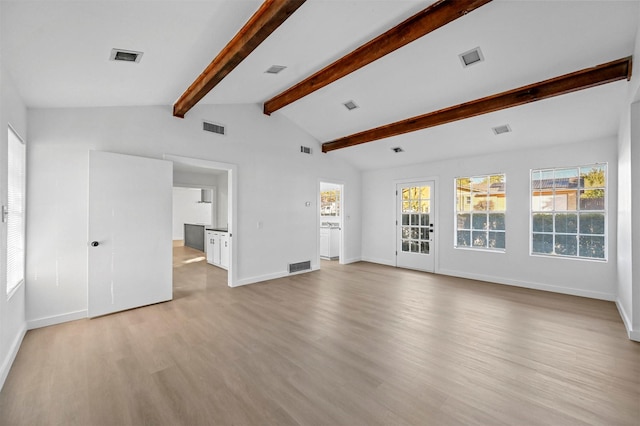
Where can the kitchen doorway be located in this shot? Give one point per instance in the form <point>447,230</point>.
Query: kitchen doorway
<point>331,222</point>
<point>200,173</point>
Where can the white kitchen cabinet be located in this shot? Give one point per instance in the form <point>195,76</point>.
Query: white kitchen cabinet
<point>224,250</point>
<point>329,242</point>
<point>217,243</point>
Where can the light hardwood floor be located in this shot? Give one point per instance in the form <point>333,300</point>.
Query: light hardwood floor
<point>361,344</point>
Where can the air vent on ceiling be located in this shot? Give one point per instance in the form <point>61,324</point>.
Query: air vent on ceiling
<point>471,57</point>
<point>275,69</point>
<point>501,129</point>
<point>305,149</point>
<point>213,128</point>
<point>300,266</point>
<point>350,105</point>
<point>125,55</point>
<point>397,149</point>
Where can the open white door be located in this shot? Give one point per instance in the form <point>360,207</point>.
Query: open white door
<point>130,247</point>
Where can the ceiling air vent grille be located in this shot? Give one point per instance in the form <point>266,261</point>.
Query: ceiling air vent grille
<point>300,266</point>
<point>501,129</point>
<point>214,128</point>
<point>275,69</point>
<point>350,105</point>
<point>122,55</point>
<point>471,57</point>
<point>305,150</point>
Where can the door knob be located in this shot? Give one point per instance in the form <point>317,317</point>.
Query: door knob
<point>94,244</point>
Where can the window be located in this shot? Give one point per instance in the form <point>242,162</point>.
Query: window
<point>480,212</point>
<point>14,213</point>
<point>330,203</point>
<point>568,211</point>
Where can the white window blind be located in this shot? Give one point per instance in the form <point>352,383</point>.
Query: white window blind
<point>15,210</point>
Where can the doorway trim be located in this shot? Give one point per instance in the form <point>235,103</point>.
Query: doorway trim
<point>343,219</point>
<point>232,204</point>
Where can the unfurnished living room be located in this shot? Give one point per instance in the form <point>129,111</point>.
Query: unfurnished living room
<point>320,212</point>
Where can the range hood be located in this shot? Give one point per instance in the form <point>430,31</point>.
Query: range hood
<point>206,196</point>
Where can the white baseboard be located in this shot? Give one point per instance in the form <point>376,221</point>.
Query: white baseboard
<point>532,285</point>
<point>7,362</point>
<point>56,319</point>
<point>274,276</point>
<point>633,334</point>
<point>379,261</point>
<point>352,260</point>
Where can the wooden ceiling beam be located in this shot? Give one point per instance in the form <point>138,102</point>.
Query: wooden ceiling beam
<point>433,17</point>
<point>270,15</point>
<point>568,83</point>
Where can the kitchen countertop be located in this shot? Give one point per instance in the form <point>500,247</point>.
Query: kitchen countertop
<point>217,229</point>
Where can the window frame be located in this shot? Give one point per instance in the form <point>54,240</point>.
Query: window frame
<point>456,212</point>
<point>553,212</point>
<point>13,134</point>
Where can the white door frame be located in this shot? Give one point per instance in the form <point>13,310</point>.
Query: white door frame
<point>232,206</point>
<point>436,216</point>
<point>343,219</point>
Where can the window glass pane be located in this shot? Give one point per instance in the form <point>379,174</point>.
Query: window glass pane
<point>496,240</point>
<point>424,247</point>
<point>592,199</point>
<point>425,193</point>
<point>542,222</point>
<point>424,233</point>
<point>567,223</point>
<point>542,179</point>
<point>592,223</point>
<point>496,221</point>
<point>542,243</point>
<point>405,219</point>
<point>415,247</point>
<point>415,219</point>
<point>542,201</point>
<point>15,221</point>
<point>566,200</point>
<point>479,221</point>
<point>424,219</point>
<point>406,232</point>
<point>565,179</point>
<point>464,221</point>
<point>479,201</point>
<point>592,247</point>
<point>406,207</point>
<point>464,202</point>
<point>405,246</point>
<point>593,177</point>
<point>425,206</point>
<point>405,193</point>
<point>566,245</point>
<point>464,238</point>
<point>415,233</point>
<point>414,193</point>
<point>479,238</point>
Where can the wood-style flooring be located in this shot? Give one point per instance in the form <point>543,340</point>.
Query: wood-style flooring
<point>359,344</point>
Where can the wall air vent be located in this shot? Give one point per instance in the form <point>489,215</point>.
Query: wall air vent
<point>305,150</point>
<point>275,69</point>
<point>125,55</point>
<point>214,128</point>
<point>300,266</point>
<point>350,105</point>
<point>501,129</point>
<point>471,57</point>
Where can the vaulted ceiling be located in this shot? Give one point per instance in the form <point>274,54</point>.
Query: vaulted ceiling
<point>57,53</point>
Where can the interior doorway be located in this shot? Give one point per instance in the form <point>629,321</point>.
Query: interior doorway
<point>206,174</point>
<point>331,221</point>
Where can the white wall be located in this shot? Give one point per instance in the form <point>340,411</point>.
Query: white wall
<point>188,209</point>
<point>12,311</point>
<point>515,266</point>
<point>274,182</point>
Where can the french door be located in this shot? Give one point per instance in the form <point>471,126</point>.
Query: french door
<point>415,248</point>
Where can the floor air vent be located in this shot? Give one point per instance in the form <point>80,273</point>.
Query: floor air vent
<point>300,266</point>
<point>213,128</point>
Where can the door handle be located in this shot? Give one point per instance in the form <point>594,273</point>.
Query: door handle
<point>94,244</point>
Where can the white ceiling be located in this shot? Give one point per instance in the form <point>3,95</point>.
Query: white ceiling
<point>57,53</point>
